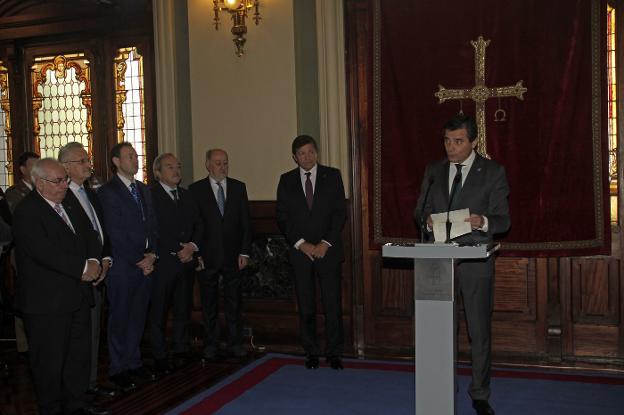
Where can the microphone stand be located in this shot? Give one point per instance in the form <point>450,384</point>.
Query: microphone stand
<point>448,213</point>
<point>423,220</point>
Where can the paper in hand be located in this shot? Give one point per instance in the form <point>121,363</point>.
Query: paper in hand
<point>458,225</point>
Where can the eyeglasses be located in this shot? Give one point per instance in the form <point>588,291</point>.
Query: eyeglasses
<point>58,180</point>
<point>81,161</point>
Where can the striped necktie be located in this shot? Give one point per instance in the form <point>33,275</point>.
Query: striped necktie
<point>135,195</point>
<point>61,213</point>
<point>221,198</point>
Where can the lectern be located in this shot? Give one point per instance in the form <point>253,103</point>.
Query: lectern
<point>434,319</point>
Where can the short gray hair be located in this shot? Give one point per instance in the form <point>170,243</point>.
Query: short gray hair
<point>38,170</point>
<point>67,148</point>
<point>158,161</point>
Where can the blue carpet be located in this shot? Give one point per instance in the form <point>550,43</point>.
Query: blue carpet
<point>268,387</point>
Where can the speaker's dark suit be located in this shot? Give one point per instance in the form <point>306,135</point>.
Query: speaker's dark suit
<point>132,232</point>
<point>323,222</point>
<point>98,291</point>
<point>484,192</point>
<point>172,281</point>
<point>55,303</point>
<point>225,238</point>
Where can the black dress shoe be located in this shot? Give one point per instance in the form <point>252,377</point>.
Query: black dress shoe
<point>123,382</point>
<point>335,362</point>
<point>102,391</point>
<point>312,362</point>
<point>161,366</point>
<point>92,410</point>
<point>142,374</point>
<point>482,407</point>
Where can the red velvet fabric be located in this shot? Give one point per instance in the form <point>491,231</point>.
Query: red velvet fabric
<point>546,142</point>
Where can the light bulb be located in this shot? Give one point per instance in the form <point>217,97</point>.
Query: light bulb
<point>232,4</point>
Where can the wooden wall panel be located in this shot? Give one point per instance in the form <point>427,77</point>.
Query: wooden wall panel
<point>595,291</point>
<point>514,288</point>
<point>395,293</point>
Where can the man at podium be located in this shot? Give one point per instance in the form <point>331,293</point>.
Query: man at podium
<point>466,180</point>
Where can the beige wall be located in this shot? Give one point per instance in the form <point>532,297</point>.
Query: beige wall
<point>245,105</point>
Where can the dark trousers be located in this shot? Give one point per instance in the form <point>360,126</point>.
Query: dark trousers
<point>209,292</point>
<point>96,317</point>
<point>128,299</point>
<point>328,272</point>
<point>60,358</point>
<point>172,286</point>
<point>475,282</point>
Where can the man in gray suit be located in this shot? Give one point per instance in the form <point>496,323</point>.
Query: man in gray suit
<point>467,180</point>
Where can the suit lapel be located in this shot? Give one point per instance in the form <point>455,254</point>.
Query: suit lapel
<point>55,217</point>
<point>473,180</point>
<point>211,197</point>
<point>320,185</point>
<point>298,188</point>
<point>124,193</point>
<point>444,179</point>
<point>228,196</point>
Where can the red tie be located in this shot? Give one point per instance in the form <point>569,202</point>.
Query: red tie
<point>309,193</point>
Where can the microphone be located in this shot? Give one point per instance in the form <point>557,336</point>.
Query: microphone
<point>456,182</point>
<point>423,220</point>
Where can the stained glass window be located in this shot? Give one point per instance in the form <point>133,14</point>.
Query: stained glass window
<point>612,110</point>
<point>130,103</point>
<point>61,102</point>
<point>6,165</point>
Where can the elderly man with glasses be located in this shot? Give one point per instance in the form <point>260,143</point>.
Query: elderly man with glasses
<point>58,255</point>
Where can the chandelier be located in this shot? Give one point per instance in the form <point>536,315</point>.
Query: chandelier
<point>238,10</point>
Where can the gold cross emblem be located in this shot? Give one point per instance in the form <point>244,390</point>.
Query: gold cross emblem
<point>480,92</point>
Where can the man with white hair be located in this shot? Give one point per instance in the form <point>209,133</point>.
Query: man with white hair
<point>58,258</point>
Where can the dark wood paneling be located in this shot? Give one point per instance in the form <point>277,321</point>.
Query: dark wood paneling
<point>595,291</point>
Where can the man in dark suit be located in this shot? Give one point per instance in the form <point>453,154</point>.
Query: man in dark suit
<point>76,161</point>
<point>14,194</point>
<point>225,249</point>
<point>179,235</point>
<point>479,185</point>
<point>311,213</point>
<point>58,258</point>
<point>130,223</point>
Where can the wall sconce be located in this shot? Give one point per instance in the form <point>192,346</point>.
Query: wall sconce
<point>238,9</point>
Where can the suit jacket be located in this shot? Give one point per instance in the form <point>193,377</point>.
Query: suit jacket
<point>97,207</point>
<point>177,222</point>
<point>51,257</point>
<point>328,214</point>
<point>5,212</point>
<point>16,193</point>
<point>130,235</point>
<point>228,236</point>
<point>484,192</point>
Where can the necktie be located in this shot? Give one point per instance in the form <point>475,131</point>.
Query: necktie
<point>59,210</point>
<point>221,198</point>
<point>457,185</point>
<point>309,192</point>
<point>90,212</point>
<point>137,199</point>
<point>174,193</point>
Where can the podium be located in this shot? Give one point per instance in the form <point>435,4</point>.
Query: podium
<point>434,314</point>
